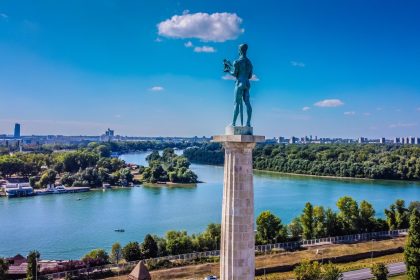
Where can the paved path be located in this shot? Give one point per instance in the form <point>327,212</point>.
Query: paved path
<point>362,274</point>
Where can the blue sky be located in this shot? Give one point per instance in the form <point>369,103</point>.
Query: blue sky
<point>327,68</point>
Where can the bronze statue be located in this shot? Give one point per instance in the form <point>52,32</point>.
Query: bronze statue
<point>242,71</point>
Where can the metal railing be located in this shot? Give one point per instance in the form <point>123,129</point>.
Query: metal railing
<point>216,253</point>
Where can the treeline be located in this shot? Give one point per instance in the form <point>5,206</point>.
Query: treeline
<point>126,147</point>
<point>90,166</point>
<point>342,160</point>
<point>209,153</point>
<point>314,222</point>
<point>167,168</point>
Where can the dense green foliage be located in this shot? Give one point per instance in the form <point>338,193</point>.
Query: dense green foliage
<point>314,271</point>
<point>116,253</point>
<point>211,153</point>
<point>379,271</point>
<point>316,222</point>
<point>412,247</point>
<point>149,247</point>
<point>342,160</point>
<point>89,167</point>
<point>167,168</point>
<point>96,257</point>
<point>131,251</point>
<point>270,229</point>
<point>32,269</point>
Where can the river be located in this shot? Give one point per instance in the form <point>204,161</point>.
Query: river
<point>67,226</point>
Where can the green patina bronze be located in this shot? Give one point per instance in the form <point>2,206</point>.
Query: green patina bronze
<point>242,71</point>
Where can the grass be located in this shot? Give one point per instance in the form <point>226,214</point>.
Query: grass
<point>399,277</point>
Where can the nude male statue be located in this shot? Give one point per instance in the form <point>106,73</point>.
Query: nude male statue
<point>242,71</point>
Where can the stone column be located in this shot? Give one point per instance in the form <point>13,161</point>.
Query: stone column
<point>237,249</point>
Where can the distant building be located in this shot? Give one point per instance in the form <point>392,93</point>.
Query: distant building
<point>109,132</point>
<point>16,187</point>
<point>362,140</point>
<point>293,140</point>
<point>382,140</point>
<point>397,140</point>
<point>17,130</point>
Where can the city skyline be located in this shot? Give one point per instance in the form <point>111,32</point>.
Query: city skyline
<point>336,69</point>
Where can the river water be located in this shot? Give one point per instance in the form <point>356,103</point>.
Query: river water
<point>67,226</point>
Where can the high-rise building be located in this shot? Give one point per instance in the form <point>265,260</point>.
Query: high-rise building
<point>382,140</point>
<point>17,130</point>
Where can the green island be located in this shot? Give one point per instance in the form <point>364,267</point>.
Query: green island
<point>168,168</point>
<point>370,161</point>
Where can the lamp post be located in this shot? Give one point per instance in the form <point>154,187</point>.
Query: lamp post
<point>371,252</point>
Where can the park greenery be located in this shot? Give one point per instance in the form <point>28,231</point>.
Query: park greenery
<point>379,271</point>
<point>341,160</point>
<point>314,222</point>
<point>167,167</point>
<point>412,247</point>
<point>91,164</point>
<point>315,271</point>
<point>91,167</point>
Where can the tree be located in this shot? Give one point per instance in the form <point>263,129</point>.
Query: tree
<point>308,271</point>
<point>178,242</point>
<point>10,165</point>
<point>149,247</point>
<point>367,221</point>
<point>295,229</point>
<point>48,177</point>
<point>307,219</point>
<point>349,214</point>
<point>397,215</point>
<point>319,222</point>
<point>380,271</point>
<point>32,268</point>
<point>116,252</point>
<point>131,251</point>
<point>332,223</point>
<point>4,266</point>
<point>269,228</point>
<point>96,257</point>
<point>412,247</point>
<point>331,272</point>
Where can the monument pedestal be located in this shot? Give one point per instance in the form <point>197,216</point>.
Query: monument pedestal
<point>237,249</point>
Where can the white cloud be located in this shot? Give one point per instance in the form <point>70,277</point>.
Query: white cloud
<point>329,103</point>
<point>398,125</point>
<point>4,16</point>
<point>232,78</point>
<point>217,27</point>
<point>188,44</point>
<point>306,108</point>
<point>367,114</point>
<point>158,40</point>
<point>350,113</point>
<point>205,49</point>
<point>297,64</point>
<point>157,88</point>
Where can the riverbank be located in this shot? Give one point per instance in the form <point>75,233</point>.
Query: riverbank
<point>332,177</point>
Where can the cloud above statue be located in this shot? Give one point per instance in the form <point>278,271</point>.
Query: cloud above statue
<point>217,27</point>
<point>329,103</point>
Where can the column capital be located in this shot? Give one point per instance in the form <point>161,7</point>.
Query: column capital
<point>238,138</point>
